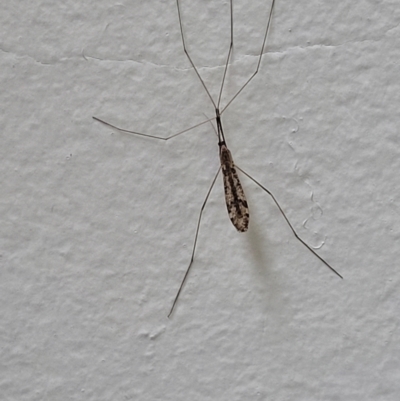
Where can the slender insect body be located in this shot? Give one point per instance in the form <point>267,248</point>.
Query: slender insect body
<point>235,198</point>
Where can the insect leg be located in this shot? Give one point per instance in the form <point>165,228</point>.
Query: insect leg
<point>195,242</point>
<point>133,133</point>
<point>188,56</point>
<point>288,222</point>
<point>259,58</point>
<point>227,59</point>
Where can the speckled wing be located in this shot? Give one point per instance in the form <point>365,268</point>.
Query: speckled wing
<point>235,198</point>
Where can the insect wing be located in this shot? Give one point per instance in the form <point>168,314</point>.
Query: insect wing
<point>235,198</point>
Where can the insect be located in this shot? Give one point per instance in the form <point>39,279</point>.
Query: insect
<point>235,198</point>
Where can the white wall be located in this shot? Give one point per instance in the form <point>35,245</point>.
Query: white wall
<point>97,227</point>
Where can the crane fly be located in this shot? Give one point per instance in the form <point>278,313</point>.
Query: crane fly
<point>235,198</point>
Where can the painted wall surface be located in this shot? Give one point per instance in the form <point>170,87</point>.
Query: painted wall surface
<point>97,227</point>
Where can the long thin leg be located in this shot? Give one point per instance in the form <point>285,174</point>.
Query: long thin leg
<point>190,59</point>
<point>152,136</point>
<point>195,242</point>
<point>259,59</point>
<point>227,59</point>
<point>287,221</point>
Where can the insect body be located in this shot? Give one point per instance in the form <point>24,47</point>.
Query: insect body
<point>235,198</point>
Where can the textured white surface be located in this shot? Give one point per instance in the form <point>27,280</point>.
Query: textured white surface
<point>96,227</point>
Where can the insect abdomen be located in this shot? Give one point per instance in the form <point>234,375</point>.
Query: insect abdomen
<point>235,198</point>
